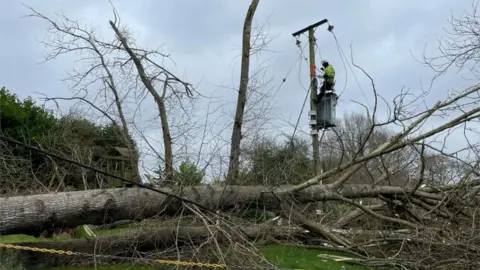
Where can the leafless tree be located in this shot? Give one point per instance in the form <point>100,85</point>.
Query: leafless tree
<point>461,46</point>
<point>353,137</point>
<point>16,174</point>
<point>120,71</point>
<point>234,161</point>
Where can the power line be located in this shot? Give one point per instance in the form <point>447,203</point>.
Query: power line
<point>318,49</point>
<point>345,68</point>
<point>340,50</point>
<point>284,79</point>
<point>300,115</point>
<point>307,90</point>
<point>303,57</point>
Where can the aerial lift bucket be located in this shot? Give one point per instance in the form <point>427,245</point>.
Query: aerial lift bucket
<point>326,111</point>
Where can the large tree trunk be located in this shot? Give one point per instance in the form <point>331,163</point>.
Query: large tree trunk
<point>234,162</point>
<point>35,213</point>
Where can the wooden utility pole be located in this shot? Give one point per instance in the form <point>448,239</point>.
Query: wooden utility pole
<point>313,91</point>
<point>313,97</point>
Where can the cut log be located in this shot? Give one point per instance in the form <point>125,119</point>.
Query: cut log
<point>36,213</point>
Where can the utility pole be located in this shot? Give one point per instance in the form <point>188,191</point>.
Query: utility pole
<point>313,91</point>
<point>313,97</point>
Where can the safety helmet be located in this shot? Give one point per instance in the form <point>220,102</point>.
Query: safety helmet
<point>324,63</point>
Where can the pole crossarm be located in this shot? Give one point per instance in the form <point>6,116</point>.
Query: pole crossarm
<point>299,32</point>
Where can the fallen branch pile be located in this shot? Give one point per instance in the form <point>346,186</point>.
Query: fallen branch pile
<point>403,225</point>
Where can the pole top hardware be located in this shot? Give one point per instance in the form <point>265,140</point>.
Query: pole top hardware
<point>310,27</point>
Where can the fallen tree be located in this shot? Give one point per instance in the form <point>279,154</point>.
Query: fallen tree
<point>35,213</point>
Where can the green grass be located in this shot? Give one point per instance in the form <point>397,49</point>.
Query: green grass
<point>301,258</point>
<point>17,238</point>
<point>282,256</point>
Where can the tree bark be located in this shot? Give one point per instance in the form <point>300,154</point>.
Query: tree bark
<point>345,220</point>
<point>35,213</point>
<point>234,162</point>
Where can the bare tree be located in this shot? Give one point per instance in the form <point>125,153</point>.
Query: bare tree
<point>460,48</point>
<point>354,138</point>
<point>68,37</point>
<point>234,161</point>
<point>114,65</point>
<point>161,75</point>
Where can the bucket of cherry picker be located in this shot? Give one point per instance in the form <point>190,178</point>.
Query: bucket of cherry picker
<point>326,110</point>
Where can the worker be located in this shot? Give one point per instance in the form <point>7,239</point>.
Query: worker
<point>328,77</point>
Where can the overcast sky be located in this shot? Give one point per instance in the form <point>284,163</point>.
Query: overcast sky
<point>204,37</point>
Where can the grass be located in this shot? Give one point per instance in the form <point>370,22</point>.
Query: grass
<point>282,256</point>
<point>301,258</point>
<point>17,238</point>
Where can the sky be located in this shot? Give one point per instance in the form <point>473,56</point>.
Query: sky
<point>204,37</point>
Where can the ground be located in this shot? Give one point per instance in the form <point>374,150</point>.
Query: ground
<point>282,256</point>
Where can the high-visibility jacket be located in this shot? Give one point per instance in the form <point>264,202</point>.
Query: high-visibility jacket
<point>329,74</point>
